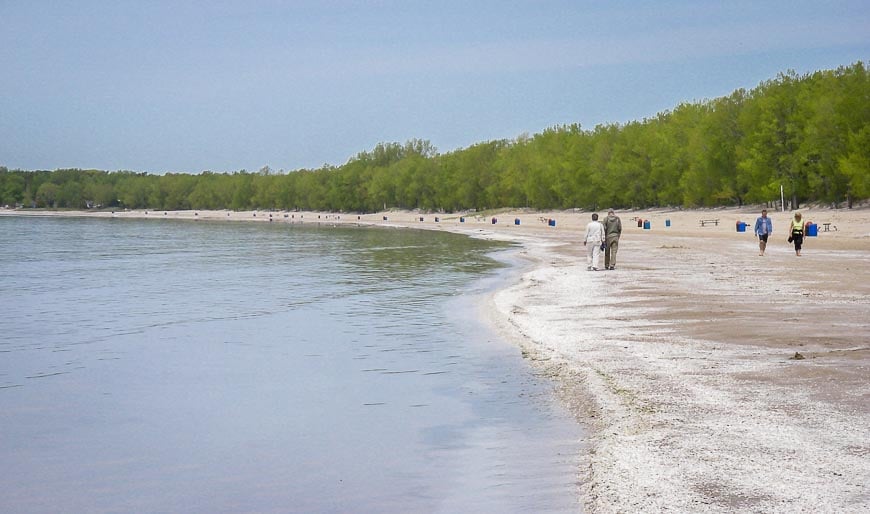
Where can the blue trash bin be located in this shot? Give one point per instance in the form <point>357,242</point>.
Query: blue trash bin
<point>551,222</point>
<point>741,226</point>
<point>516,221</point>
<point>667,223</point>
<point>812,230</point>
<point>646,225</point>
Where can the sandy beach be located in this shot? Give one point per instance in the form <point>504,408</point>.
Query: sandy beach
<point>710,378</point>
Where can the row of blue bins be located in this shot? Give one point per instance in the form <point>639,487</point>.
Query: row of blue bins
<point>812,228</point>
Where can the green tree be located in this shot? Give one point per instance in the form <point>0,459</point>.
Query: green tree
<point>46,195</point>
<point>99,194</point>
<point>242,188</point>
<point>856,165</point>
<point>70,195</point>
<point>11,187</point>
<point>176,190</point>
<point>712,175</point>
<point>773,139</point>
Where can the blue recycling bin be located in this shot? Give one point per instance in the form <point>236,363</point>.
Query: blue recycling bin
<point>741,226</point>
<point>462,219</point>
<point>812,230</point>
<point>646,225</point>
<point>551,222</point>
<point>667,223</point>
<point>516,221</point>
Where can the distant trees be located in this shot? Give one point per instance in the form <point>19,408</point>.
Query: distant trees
<point>809,134</point>
<point>11,187</point>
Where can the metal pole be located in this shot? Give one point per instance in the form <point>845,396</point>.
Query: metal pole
<point>782,197</point>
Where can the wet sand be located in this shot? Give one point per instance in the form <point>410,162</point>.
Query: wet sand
<point>710,378</point>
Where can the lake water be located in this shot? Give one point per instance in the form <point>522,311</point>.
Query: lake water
<point>178,366</point>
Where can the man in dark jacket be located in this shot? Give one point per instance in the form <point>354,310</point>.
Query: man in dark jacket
<point>612,231</point>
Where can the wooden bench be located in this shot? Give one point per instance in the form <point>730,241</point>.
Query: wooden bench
<point>704,223</point>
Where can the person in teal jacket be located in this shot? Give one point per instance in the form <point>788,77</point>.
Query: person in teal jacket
<point>763,229</point>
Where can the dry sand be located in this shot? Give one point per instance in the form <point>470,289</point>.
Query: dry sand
<point>682,361</point>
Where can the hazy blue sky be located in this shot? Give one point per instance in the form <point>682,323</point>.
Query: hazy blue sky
<point>178,85</point>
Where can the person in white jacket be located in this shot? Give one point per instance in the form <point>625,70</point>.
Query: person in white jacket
<point>593,241</point>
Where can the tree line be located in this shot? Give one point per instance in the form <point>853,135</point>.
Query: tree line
<point>807,134</point>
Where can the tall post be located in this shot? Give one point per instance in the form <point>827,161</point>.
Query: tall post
<point>782,197</point>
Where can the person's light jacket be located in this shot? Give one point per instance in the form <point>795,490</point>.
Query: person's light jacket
<point>760,224</point>
<point>594,233</point>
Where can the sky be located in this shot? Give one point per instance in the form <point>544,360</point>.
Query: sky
<point>187,86</point>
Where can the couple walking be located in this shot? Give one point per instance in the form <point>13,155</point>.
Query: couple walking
<point>602,236</point>
<point>764,227</point>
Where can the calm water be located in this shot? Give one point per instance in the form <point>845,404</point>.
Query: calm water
<point>171,366</point>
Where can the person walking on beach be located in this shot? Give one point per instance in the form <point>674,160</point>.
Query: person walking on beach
<point>797,233</point>
<point>612,231</point>
<point>763,229</point>
<point>593,242</point>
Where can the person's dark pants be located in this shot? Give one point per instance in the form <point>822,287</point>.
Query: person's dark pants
<point>762,242</point>
<point>798,239</point>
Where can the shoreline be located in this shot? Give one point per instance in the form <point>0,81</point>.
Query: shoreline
<point>680,363</point>
<point>684,358</point>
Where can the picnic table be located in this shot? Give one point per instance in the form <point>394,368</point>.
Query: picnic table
<point>828,227</point>
<point>704,223</point>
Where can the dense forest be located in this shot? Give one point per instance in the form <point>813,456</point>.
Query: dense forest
<point>809,134</point>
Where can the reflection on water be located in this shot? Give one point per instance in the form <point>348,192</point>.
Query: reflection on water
<point>161,366</point>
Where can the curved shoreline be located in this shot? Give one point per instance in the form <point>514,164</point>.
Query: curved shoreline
<point>682,362</point>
